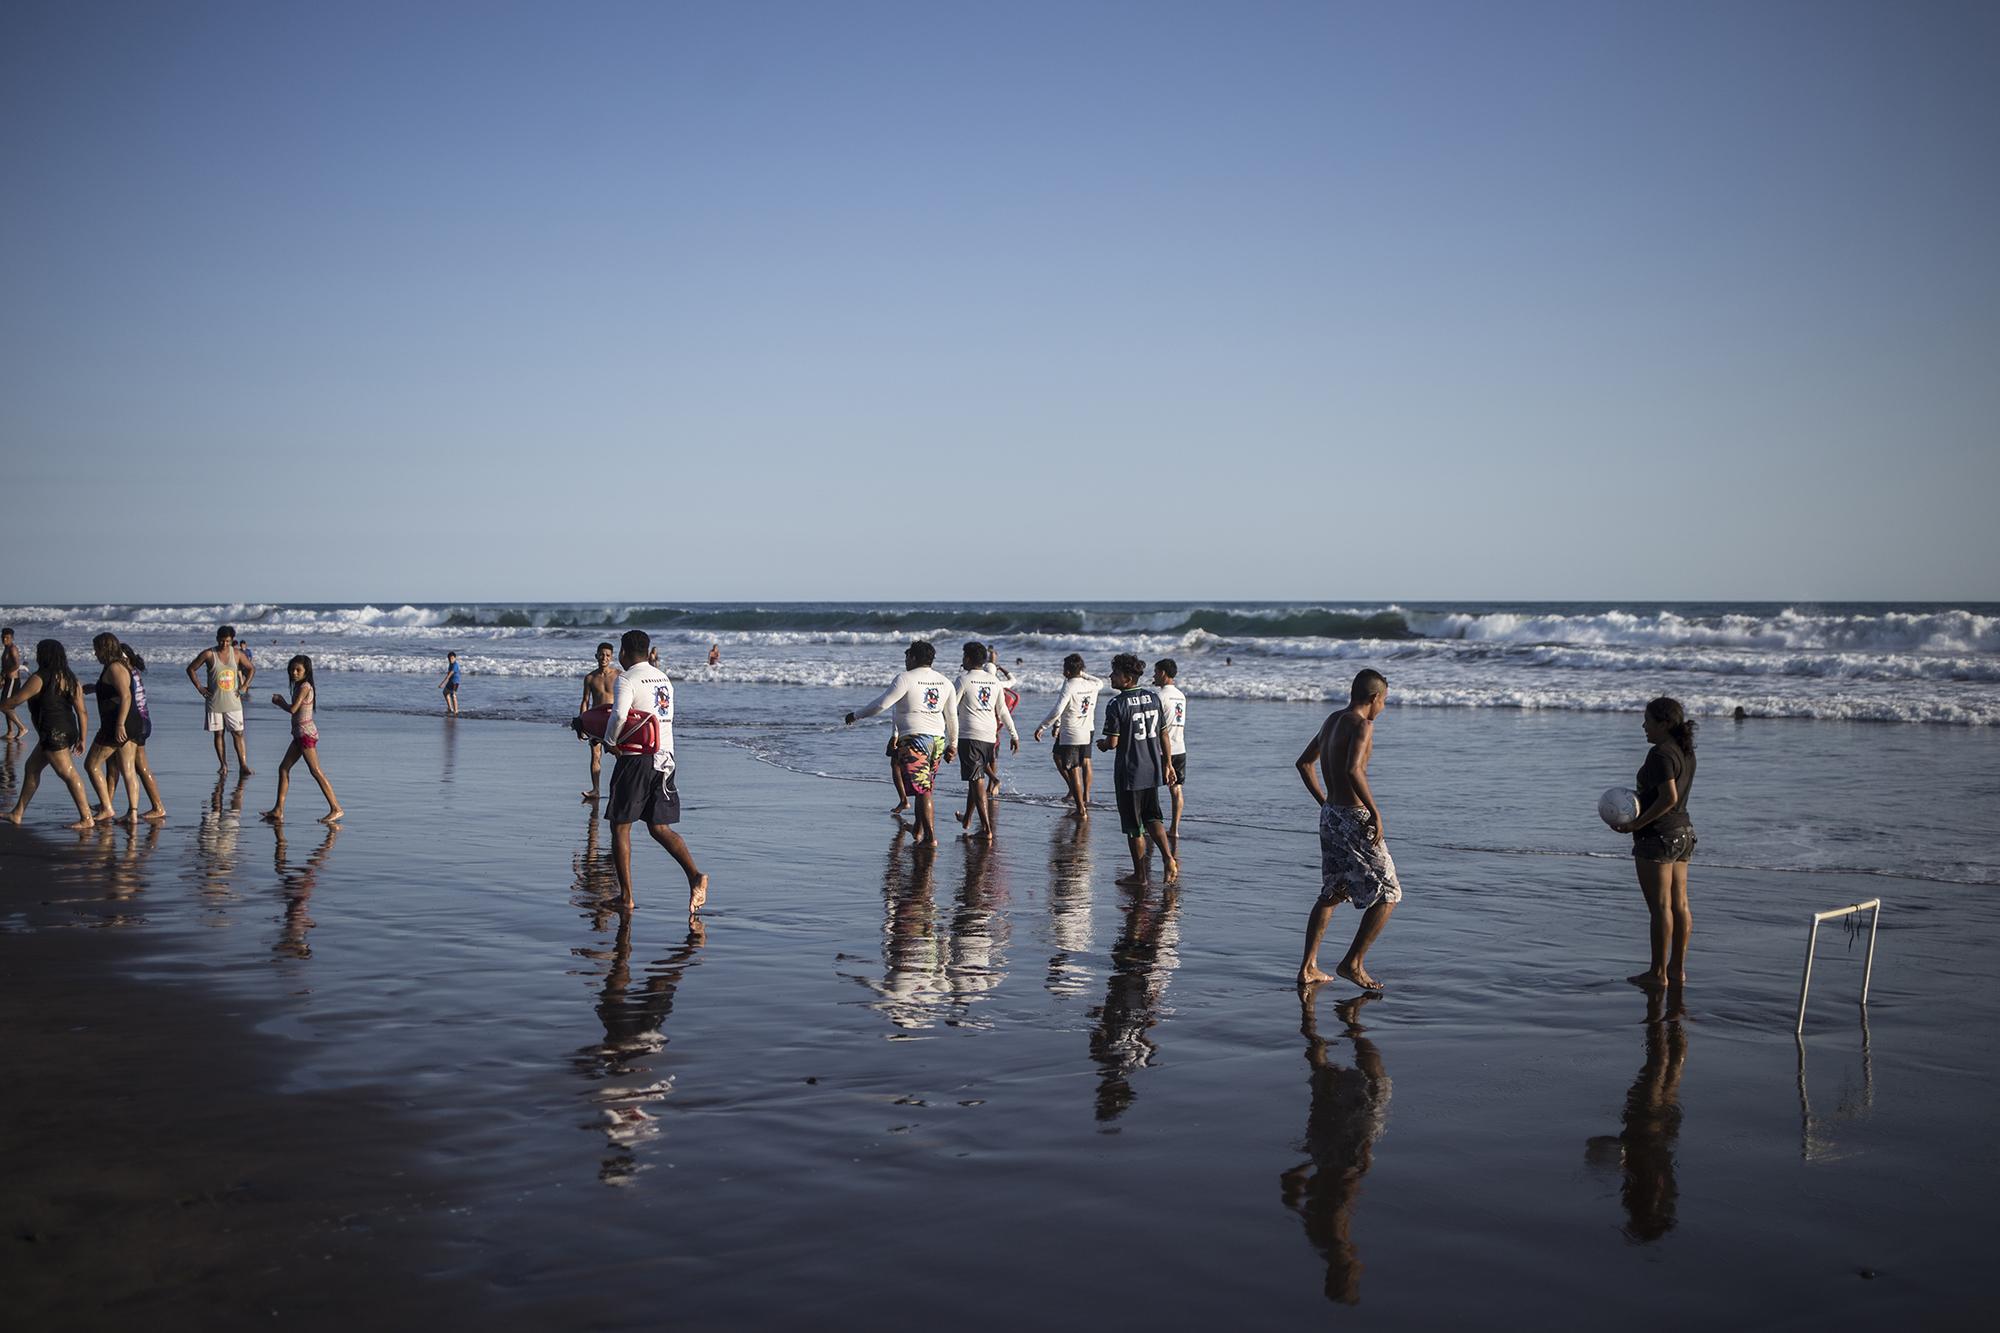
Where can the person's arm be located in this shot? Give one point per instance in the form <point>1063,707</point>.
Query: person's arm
<point>248,664</point>
<point>584,706</point>
<point>1055,714</point>
<point>1308,763</point>
<point>195,680</point>
<point>1666,790</point>
<point>82,714</point>
<point>121,701</point>
<point>950,724</point>
<point>1113,724</point>
<point>622,699</point>
<point>1358,751</point>
<point>897,688</point>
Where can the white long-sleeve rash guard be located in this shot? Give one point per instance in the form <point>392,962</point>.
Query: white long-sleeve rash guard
<point>982,706</point>
<point>1075,713</point>
<point>925,705</point>
<point>645,687</point>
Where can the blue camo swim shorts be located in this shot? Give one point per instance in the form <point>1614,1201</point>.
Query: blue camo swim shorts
<point>1352,867</point>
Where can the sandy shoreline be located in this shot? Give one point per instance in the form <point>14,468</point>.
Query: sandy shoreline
<point>878,1075</point>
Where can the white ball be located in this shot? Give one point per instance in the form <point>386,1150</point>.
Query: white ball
<point>1618,805</point>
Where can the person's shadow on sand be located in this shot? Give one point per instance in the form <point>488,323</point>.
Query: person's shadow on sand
<point>1645,1150</point>
<point>1349,1111</point>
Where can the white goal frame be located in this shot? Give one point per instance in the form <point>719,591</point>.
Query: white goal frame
<point>1812,945</point>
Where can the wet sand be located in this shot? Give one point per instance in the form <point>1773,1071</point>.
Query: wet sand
<point>418,1066</point>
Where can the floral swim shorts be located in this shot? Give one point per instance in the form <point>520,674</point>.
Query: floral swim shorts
<point>920,756</point>
<point>1353,868</point>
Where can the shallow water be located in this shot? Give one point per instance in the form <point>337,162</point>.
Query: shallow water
<point>992,1084</point>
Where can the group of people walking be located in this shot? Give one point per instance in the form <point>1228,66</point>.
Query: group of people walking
<point>57,703</point>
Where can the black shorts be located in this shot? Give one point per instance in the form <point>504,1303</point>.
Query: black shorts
<point>975,756</point>
<point>641,794</point>
<point>451,688</point>
<point>1179,761</point>
<point>1136,809</point>
<point>1072,757</point>
<point>107,736</point>
<point>1663,845</point>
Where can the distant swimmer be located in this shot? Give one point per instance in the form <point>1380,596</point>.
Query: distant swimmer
<point>982,711</point>
<point>1354,862</point>
<point>1173,704</point>
<point>54,698</point>
<point>449,685</point>
<point>1740,715</point>
<point>228,675</point>
<point>1074,718</point>
<point>926,719</point>
<point>640,729</point>
<point>305,742</point>
<point>1133,727</point>
<point>715,654</point>
<point>1663,839</point>
<point>10,676</point>
<point>598,687</point>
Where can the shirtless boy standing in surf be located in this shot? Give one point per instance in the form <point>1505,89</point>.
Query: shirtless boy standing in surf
<point>10,671</point>
<point>598,688</point>
<point>1353,857</point>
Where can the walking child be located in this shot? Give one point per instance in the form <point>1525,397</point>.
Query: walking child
<point>449,685</point>
<point>1133,723</point>
<point>305,742</point>
<point>1174,705</point>
<point>1354,862</point>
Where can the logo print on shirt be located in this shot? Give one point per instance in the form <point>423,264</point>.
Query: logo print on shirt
<point>931,697</point>
<point>985,696</point>
<point>663,702</point>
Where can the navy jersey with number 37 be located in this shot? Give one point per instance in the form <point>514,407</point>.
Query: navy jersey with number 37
<point>1136,719</point>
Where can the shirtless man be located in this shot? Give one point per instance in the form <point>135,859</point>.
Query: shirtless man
<point>10,673</point>
<point>1353,858</point>
<point>229,672</point>
<point>598,688</point>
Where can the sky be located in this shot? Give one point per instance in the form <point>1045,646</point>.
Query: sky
<point>1089,300</point>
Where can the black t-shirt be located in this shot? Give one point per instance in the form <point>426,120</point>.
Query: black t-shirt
<point>1136,719</point>
<point>1667,760</point>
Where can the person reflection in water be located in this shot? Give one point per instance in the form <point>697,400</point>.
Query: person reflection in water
<point>1142,961</point>
<point>976,956</point>
<point>912,991</point>
<point>1645,1151</point>
<point>1348,1113</point>
<point>297,884</point>
<point>633,1020</point>
<point>1069,909</point>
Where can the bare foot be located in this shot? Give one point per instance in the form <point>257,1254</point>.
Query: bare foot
<point>242,773</point>
<point>156,814</point>
<point>1173,870</point>
<point>1135,880</point>
<point>273,816</point>
<point>332,816</point>
<point>1647,980</point>
<point>131,817</point>
<point>590,796</point>
<point>1359,976</point>
<point>1310,975</point>
<point>899,809</point>
<point>78,824</point>
<point>697,895</point>
<point>12,816</point>
<point>102,815</point>
<point>964,818</point>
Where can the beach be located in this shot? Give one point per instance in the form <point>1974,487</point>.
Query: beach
<point>423,1053</point>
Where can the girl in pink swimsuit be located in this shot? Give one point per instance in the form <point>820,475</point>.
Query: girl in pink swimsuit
<point>305,741</point>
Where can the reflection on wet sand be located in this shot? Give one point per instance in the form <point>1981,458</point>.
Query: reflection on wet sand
<point>1347,1115</point>
<point>595,886</point>
<point>1142,961</point>
<point>1645,1150</point>
<point>10,767</point>
<point>977,956</point>
<point>118,853</point>
<point>911,992</point>
<point>1817,1138</point>
<point>296,884</point>
<point>1069,908</point>
<point>215,848</point>
<point>634,1022</point>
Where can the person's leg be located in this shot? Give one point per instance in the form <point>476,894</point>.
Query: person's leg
<point>1086,780</point>
<point>31,778</point>
<point>896,781</point>
<point>276,814</point>
<point>333,810</point>
<point>221,755</point>
<point>621,862</point>
<point>596,768</point>
<point>1365,934</point>
<point>93,767</point>
<point>1683,925</point>
<point>128,769</point>
<point>242,755</point>
<point>678,849</point>
<point>1170,866</point>
<point>66,770</point>
<point>1656,883</point>
<point>1078,800</point>
<point>157,811</point>
<point>926,818</point>
<point>973,802</point>
<point>1174,829</point>
<point>1309,971</point>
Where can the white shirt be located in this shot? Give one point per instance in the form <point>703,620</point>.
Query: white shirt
<point>1173,706</point>
<point>645,687</point>
<point>982,706</point>
<point>925,705</point>
<point>1075,713</point>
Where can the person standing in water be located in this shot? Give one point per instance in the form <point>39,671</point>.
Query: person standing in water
<point>1663,839</point>
<point>598,688</point>
<point>305,742</point>
<point>1173,707</point>
<point>982,711</point>
<point>228,679</point>
<point>1354,862</point>
<point>640,731</point>
<point>10,672</point>
<point>1133,724</point>
<point>926,719</point>
<point>714,656</point>
<point>117,725</point>
<point>55,705</point>
<point>449,685</point>
<point>139,730</point>
<point>1074,718</point>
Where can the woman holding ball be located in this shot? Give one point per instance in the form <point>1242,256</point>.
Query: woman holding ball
<point>1663,839</point>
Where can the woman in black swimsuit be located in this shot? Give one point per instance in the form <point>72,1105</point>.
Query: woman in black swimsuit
<point>1663,839</point>
<point>55,705</point>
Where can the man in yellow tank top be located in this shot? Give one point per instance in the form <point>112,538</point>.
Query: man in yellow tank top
<point>228,670</point>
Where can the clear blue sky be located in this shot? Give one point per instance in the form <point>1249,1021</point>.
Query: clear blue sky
<point>1078,300</point>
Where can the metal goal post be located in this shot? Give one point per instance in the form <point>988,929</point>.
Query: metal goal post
<point>1812,944</point>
